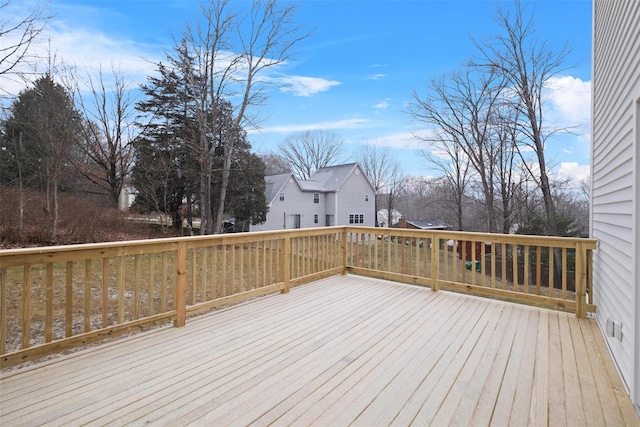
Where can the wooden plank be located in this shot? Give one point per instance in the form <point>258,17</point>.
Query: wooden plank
<point>487,399</point>
<point>573,393</point>
<point>538,409</point>
<point>616,405</point>
<point>360,349</point>
<point>557,385</point>
<point>591,405</point>
<point>472,389</point>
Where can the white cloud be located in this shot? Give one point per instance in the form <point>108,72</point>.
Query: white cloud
<point>382,105</point>
<point>573,171</point>
<point>331,125</point>
<point>376,77</point>
<point>569,102</point>
<point>401,140</point>
<point>305,86</point>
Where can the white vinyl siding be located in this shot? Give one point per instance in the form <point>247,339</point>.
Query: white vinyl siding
<point>615,210</point>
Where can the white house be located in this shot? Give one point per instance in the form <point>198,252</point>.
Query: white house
<point>335,195</point>
<point>383,217</point>
<point>615,186</point>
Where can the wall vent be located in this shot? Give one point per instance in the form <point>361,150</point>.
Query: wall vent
<point>614,329</point>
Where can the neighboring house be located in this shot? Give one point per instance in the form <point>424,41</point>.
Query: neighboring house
<point>335,195</point>
<point>383,218</point>
<point>615,187</point>
<point>423,225</point>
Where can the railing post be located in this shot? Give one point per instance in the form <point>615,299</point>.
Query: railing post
<point>581,279</point>
<point>344,250</point>
<point>435,263</point>
<point>181,285</point>
<point>286,263</point>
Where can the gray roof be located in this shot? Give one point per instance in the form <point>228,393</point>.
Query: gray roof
<point>429,225</point>
<point>324,180</point>
<point>329,178</point>
<point>274,184</point>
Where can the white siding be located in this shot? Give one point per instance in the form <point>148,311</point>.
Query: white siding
<point>615,190</point>
<point>351,200</point>
<point>348,199</point>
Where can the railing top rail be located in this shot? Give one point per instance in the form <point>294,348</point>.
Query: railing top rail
<point>9,257</point>
<point>521,239</point>
<point>44,254</point>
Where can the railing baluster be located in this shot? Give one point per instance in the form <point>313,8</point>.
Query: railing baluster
<point>105,291</point>
<point>136,287</point>
<point>87,295</point>
<point>564,273</point>
<point>26,307</point>
<point>551,271</point>
<point>163,288</point>
<point>121,289</point>
<point>68,321</point>
<point>494,247</point>
<point>526,269</point>
<point>3,310</point>
<point>150,284</point>
<point>514,266</point>
<point>48,332</point>
<point>538,269</point>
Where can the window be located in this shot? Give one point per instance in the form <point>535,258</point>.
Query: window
<point>316,197</point>
<point>315,218</point>
<point>282,197</point>
<point>329,220</point>
<point>294,221</point>
<point>366,197</point>
<point>356,219</point>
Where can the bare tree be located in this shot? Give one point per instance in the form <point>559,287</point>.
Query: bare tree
<point>454,165</point>
<point>274,164</point>
<point>460,106</point>
<point>107,152</point>
<point>395,188</point>
<point>17,36</point>
<point>527,64</point>
<point>378,163</point>
<point>227,54</point>
<point>311,150</point>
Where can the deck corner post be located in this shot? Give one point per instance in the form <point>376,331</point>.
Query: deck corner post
<point>435,262</point>
<point>286,263</point>
<point>181,285</point>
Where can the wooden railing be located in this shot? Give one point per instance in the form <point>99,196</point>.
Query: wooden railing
<point>550,272</point>
<point>56,298</point>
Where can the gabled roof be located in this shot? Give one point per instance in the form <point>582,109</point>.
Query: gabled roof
<point>275,184</point>
<point>324,180</point>
<point>429,225</point>
<point>330,178</point>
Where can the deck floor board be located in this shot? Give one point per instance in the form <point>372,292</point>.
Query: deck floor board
<point>345,350</point>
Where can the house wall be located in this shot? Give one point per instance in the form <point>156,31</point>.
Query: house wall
<point>350,199</point>
<point>615,155</point>
<point>279,211</point>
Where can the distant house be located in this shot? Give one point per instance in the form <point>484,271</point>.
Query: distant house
<point>615,188</point>
<point>423,225</point>
<point>334,195</point>
<point>383,218</point>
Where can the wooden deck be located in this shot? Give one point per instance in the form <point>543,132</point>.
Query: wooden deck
<point>344,350</point>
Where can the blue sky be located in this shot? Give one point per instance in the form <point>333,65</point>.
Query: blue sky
<point>355,75</point>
